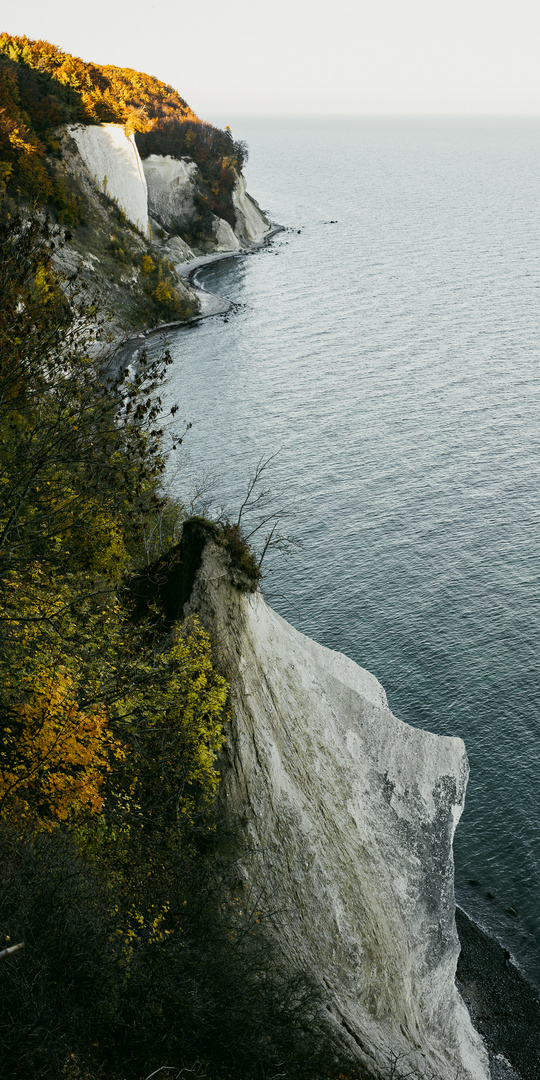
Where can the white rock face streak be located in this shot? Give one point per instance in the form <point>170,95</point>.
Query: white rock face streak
<point>251,224</point>
<point>113,160</point>
<point>226,239</point>
<point>351,815</point>
<point>171,188</point>
<point>172,185</point>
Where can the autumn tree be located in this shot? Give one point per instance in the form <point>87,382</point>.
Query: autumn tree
<point>83,444</point>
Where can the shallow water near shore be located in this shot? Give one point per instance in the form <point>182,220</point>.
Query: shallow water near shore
<point>387,344</point>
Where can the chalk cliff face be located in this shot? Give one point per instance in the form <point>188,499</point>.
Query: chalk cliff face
<point>350,815</point>
<point>251,224</point>
<point>226,239</point>
<point>162,190</point>
<point>171,188</point>
<point>113,161</point>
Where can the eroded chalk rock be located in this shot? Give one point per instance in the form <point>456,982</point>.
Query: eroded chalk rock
<point>177,250</point>
<point>114,163</point>
<point>226,240</point>
<point>172,188</point>
<point>350,815</point>
<point>251,224</point>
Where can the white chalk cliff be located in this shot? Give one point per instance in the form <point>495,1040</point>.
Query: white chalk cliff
<point>251,224</point>
<point>113,161</point>
<point>161,187</point>
<point>350,819</point>
<point>171,188</point>
<point>226,239</point>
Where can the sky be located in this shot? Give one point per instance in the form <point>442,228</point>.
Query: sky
<point>408,57</point>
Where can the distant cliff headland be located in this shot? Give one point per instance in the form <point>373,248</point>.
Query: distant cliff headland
<point>119,159</point>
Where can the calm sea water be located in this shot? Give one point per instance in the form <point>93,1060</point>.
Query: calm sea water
<point>387,344</point>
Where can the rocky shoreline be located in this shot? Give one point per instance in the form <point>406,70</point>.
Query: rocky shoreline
<point>504,1006</point>
<point>211,303</point>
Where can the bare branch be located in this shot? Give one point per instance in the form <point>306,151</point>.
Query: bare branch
<point>249,504</point>
<point>11,949</point>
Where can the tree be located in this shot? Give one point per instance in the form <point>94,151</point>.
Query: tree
<point>41,88</point>
<point>83,445</point>
<point>54,756</point>
<point>72,419</point>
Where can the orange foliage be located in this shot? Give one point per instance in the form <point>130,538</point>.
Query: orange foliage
<point>106,93</point>
<point>54,756</point>
<point>18,142</point>
<point>42,87</point>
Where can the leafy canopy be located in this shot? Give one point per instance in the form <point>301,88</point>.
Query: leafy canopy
<point>86,697</point>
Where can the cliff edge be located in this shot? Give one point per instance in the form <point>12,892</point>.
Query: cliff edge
<point>138,212</point>
<point>141,184</point>
<point>350,816</point>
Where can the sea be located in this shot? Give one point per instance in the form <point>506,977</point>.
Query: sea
<point>383,350</point>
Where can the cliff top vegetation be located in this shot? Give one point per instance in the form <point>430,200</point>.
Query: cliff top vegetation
<point>43,88</point>
<point>89,93</point>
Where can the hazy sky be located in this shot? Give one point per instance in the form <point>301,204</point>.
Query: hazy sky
<point>305,56</point>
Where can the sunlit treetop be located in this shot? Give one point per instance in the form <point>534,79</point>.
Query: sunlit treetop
<point>106,94</point>
<point>43,88</point>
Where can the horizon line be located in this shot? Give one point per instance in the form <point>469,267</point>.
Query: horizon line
<point>381,115</point>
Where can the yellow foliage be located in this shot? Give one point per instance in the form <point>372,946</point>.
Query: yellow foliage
<point>101,547</point>
<point>19,139</point>
<point>82,92</point>
<point>83,686</point>
<point>180,714</point>
<point>45,285</point>
<point>142,927</point>
<point>162,293</point>
<point>54,756</point>
<point>106,92</point>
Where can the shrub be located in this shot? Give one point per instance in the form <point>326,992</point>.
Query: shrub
<point>242,555</point>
